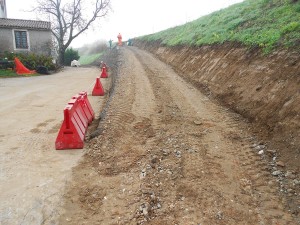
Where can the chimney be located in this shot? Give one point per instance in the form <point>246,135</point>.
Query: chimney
<point>3,13</point>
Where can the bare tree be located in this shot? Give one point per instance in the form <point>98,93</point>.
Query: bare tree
<point>70,18</point>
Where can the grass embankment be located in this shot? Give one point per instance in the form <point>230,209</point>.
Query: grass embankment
<point>264,23</point>
<point>88,59</point>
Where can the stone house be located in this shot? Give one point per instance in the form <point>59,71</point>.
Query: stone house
<point>18,35</point>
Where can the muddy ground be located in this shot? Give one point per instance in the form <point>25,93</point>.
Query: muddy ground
<point>168,154</point>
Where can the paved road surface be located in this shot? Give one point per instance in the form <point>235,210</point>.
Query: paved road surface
<point>32,172</point>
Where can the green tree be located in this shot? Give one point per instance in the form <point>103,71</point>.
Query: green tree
<point>70,18</point>
<point>70,55</point>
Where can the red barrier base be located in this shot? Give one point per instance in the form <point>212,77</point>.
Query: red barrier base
<point>69,140</point>
<point>72,131</point>
<point>104,73</point>
<point>77,115</point>
<point>98,89</point>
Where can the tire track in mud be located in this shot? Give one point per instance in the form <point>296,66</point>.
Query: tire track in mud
<point>110,171</point>
<point>167,155</point>
<point>258,182</point>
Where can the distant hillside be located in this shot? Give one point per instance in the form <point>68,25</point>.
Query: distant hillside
<point>89,59</point>
<point>264,23</point>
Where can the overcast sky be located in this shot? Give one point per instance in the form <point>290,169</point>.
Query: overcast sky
<point>133,18</point>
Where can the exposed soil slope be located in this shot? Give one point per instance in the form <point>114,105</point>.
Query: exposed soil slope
<point>168,155</point>
<point>264,89</point>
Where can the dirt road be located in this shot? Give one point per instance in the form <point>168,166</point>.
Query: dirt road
<point>32,172</point>
<point>169,155</point>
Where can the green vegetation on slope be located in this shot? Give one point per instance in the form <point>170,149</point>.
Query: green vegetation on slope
<point>263,23</point>
<point>88,59</point>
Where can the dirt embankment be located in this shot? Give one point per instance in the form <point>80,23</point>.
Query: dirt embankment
<point>167,154</point>
<point>264,89</point>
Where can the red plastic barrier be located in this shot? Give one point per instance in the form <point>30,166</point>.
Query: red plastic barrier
<point>98,89</point>
<point>104,73</point>
<point>88,114</point>
<point>73,129</point>
<point>77,115</point>
<point>86,105</point>
<point>80,112</point>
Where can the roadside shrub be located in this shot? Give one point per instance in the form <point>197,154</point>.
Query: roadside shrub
<point>70,55</point>
<point>32,60</point>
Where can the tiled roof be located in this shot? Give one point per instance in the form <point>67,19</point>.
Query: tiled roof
<point>25,24</point>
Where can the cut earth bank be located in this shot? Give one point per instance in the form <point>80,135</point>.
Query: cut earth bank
<point>263,89</point>
<point>167,154</point>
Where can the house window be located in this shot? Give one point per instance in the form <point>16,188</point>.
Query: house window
<point>21,39</point>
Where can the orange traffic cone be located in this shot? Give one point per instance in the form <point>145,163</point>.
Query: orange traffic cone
<point>98,89</point>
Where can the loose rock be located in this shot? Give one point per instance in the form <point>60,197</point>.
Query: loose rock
<point>276,173</point>
<point>280,163</point>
